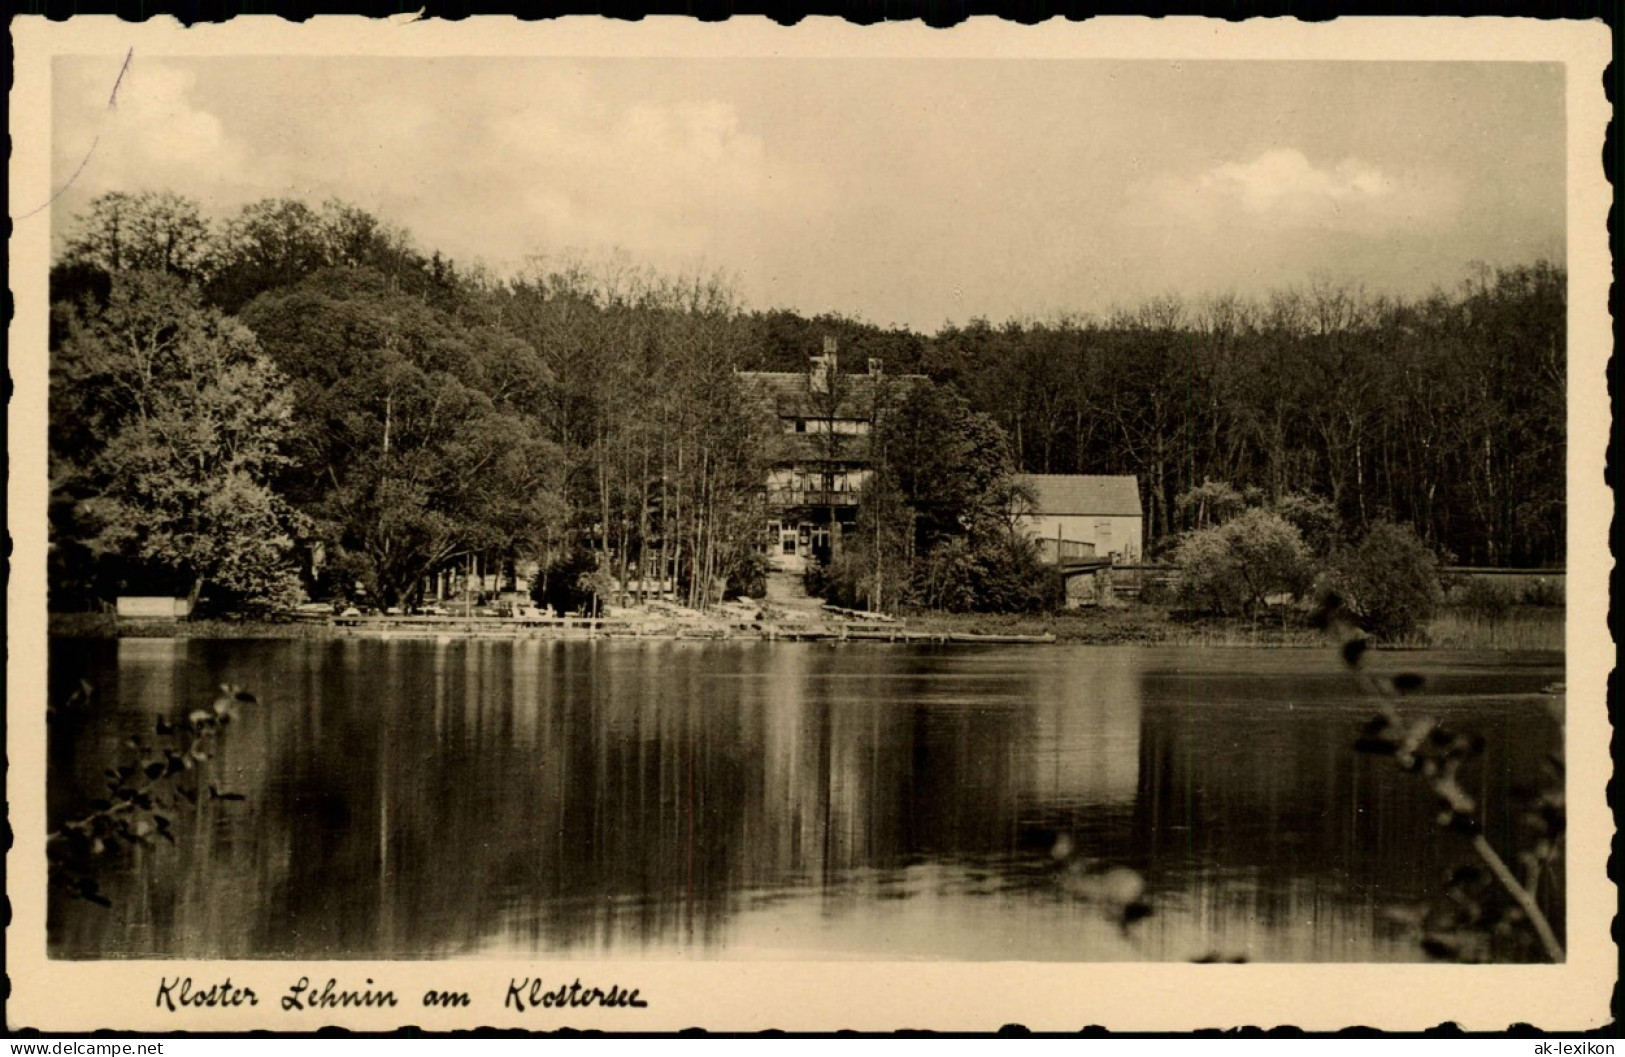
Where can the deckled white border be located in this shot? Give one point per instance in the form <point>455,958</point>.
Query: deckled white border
<point>873,996</point>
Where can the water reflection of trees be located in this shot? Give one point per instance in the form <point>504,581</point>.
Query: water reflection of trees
<point>1256,818</point>
<point>419,799</point>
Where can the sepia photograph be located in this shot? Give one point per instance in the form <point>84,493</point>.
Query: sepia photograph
<point>578,516</point>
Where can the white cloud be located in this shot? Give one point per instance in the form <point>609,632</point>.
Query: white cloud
<point>1282,188</point>
<point>663,176</point>
<point>496,165</point>
<point>151,135</point>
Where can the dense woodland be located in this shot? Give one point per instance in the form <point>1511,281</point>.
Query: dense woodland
<point>298,400</point>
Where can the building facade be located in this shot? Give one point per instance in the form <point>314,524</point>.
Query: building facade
<point>1079,514</point>
<point>822,459</point>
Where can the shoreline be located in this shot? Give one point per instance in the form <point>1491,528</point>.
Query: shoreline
<point>1528,628</point>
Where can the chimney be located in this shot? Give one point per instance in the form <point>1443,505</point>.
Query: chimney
<point>823,367</point>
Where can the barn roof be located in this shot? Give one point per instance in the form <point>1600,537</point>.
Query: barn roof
<point>1062,494</point>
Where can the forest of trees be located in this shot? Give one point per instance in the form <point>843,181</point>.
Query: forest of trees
<point>298,400</point>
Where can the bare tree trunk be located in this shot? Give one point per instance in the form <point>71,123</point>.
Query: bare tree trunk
<point>643,530</point>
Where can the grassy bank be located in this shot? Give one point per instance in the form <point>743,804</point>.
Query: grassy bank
<point>1119,625</point>
<point>1520,628</point>
<point>108,626</point>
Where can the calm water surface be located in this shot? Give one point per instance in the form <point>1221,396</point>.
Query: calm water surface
<point>415,799</point>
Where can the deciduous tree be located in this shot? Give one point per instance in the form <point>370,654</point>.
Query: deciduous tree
<point>168,422</point>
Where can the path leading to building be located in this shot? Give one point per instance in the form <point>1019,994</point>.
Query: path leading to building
<point>788,602</point>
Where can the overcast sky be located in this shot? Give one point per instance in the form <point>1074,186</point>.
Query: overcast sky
<point>913,192</point>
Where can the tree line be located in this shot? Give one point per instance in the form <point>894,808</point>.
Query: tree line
<point>299,399</point>
<point>1447,413</point>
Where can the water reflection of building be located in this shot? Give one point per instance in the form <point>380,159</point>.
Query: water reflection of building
<point>407,798</point>
<point>412,799</point>
<point>868,766</point>
<point>1086,733</point>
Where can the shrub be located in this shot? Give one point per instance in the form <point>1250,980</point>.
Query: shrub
<point>1544,592</point>
<point>565,586</point>
<point>1208,504</point>
<point>1159,590</point>
<point>837,581</point>
<point>1315,519</point>
<point>1234,568</point>
<point>943,578</point>
<point>997,574</point>
<point>1485,597</point>
<point>1007,577</point>
<point>749,578</point>
<point>1389,580</point>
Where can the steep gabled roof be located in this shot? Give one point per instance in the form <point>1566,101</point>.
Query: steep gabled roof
<point>789,395</point>
<point>1073,494</point>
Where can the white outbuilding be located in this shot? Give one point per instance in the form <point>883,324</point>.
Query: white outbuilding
<point>1102,510</point>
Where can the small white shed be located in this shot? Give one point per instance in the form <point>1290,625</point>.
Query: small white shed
<point>1101,509</point>
<point>152,607</point>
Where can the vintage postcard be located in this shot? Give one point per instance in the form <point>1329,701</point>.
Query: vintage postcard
<point>647,526</point>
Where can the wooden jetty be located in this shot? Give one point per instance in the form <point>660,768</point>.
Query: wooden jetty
<point>376,625</point>
<point>867,632</point>
<point>386,625</point>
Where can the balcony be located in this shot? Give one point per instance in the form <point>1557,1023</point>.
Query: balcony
<point>781,498</point>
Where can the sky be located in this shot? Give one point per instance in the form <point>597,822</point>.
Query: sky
<point>909,192</point>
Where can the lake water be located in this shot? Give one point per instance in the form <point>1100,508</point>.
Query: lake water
<point>420,799</point>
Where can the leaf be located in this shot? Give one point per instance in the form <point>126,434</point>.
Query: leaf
<point>1464,824</point>
<point>1136,911</point>
<point>89,890</point>
<point>1466,875</point>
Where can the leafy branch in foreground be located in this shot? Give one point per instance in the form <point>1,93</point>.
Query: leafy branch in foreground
<point>143,796</point>
<point>1475,916</point>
